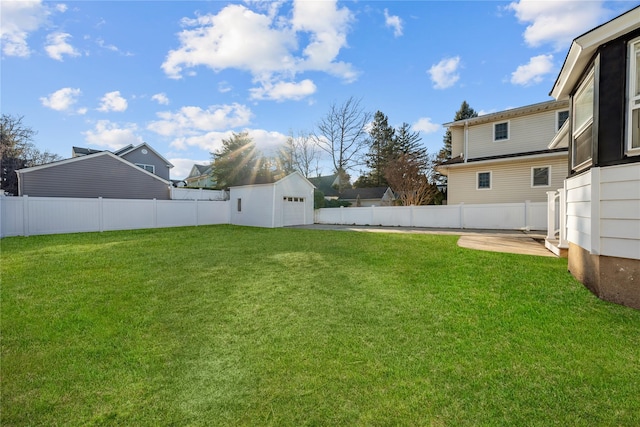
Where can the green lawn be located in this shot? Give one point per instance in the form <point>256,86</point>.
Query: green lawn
<point>227,325</point>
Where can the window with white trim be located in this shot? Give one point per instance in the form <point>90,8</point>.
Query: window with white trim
<point>633,97</point>
<point>583,123</point>
<point>501,131</point>
<point>541,176</point>
<point>148,168</point>
<point>561,117</point>
<point>483,181</point>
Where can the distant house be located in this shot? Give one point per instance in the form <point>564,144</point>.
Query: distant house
<point>601,79</point>
<point>129,173</point>
<point>201,176</point>
<point>288,201</point>
<point>328,184</point>
<point>143,156</point>
<point>504,157</point>
<point>363,197</point>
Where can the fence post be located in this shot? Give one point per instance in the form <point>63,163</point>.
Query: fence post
<point>551,214</point>
<point>155,213</point>
<point>461,213</point>
<point>100,214</point>
<point>563,217</point>
<point>341,215</point>
<point>25,215</point>
<point>197,213</point>
<point>373,215</point>
<point>527,215</point>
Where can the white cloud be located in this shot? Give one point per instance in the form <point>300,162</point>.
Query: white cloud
<point>444,74</point>
<point>265,45</point>
<point>534,71</point>
<point>61,7</point>
<point>63,100</point>
<point>194,122</point>
<point>17,20</point>
<point>161,98</point>
<point>425,125</point>
<point>284,90</point>
<point>111,135</point>
<point>113,101</point>
<point>557,22</point>
<point>394,22</point>
<point>57,46</point>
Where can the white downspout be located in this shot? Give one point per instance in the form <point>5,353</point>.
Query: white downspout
<point>466,140</point>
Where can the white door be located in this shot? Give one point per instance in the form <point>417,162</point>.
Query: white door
<point>293,210</point>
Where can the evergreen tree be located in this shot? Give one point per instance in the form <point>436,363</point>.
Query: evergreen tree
<point>380,144</point>
<point>238,162</point>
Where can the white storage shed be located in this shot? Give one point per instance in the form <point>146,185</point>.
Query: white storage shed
<point>288,201</point>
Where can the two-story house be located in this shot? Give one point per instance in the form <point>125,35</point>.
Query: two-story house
<point>138,172</point>
<point>200,176</point>
<point>601,79</point>
<point>504,157</point>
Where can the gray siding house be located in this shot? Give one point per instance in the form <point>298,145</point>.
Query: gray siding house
<point>99,174</point>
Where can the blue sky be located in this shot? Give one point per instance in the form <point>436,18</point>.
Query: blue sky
<point>183,75</point>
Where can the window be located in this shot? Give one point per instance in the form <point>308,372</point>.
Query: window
<point>633,97</point>
<point>148,168</point>
<point>239,205</point>
<point>561,117</point>
<point>501,131</point>
<point>583,123</point>
<point>484,180</point>
<point>541,176</point>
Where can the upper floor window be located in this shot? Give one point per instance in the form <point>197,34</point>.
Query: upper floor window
<point>583,123</point>
<point>148,168</point>
<point>541,176</point>
<point>561,117</point>
<point>484,180</point>
<point>633,97</point>
<point>501,131</point>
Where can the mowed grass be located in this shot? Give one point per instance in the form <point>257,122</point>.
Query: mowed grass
<point>235,326</point>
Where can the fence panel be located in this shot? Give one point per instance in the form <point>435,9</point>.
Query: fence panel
<point>507,216</point>
<point>51,215</point>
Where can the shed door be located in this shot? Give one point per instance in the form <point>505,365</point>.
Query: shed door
<point>293,210</point>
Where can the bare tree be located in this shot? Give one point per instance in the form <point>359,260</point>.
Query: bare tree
<point>407,176</point>
<point>18,151</point>
<point>343,134</point>
<point>299,153</point>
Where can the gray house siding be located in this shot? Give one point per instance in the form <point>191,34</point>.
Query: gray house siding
<point>150,158</point>
<point>98,175</point>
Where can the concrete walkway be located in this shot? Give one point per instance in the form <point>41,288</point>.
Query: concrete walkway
<point>507,241</point>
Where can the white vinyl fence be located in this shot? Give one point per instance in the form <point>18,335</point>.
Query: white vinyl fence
<point>24,216</point>
<point>198,194</point>
<point>503,216</point>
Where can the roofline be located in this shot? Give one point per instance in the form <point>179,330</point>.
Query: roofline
<point>471,163</point>
<point>169,164</point>
<point>583,48</point>
<point>513,112</point>
<point>89,156</point>
<point>274,182</point>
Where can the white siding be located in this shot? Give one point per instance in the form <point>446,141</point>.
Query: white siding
<point>457,141</point>
<point>579,210</point>
<point>510,181</point>
<point>620,211</point>
<point>526,133</point>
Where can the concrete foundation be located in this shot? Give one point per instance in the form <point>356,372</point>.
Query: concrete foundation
<point>609,278</point>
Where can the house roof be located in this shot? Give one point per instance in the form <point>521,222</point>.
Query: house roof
<point>290,176</point>
<point>584,47</point>
<point>325,184</point>
<point>84,158</point>
<point>513,112</point>
<point>200,169</point>
<point>459,161</point>
<point>80,151</point>
<point>364,193</point>
<point>128,149</point>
